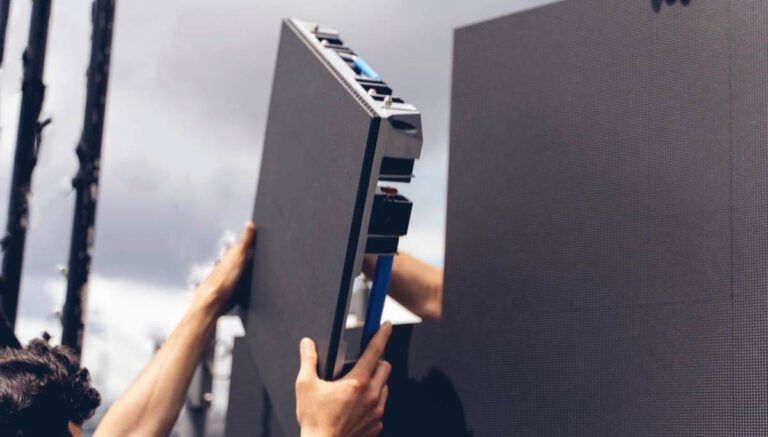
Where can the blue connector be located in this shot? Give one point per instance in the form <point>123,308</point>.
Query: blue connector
<point>365,69</point>
<point>376,300</point>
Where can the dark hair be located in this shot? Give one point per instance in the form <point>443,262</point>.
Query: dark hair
<point>42,389</point>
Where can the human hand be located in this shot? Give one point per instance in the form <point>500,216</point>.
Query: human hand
<point>350,407</point>
<point>215,292</point>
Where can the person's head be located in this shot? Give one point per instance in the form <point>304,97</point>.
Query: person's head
<point>43,391</point>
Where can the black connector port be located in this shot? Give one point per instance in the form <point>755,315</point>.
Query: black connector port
<point>381,245</point>
<point>377,89</point>
<point>329,38</point>
<point>396,169</point>
<point>391,213</point>
<point>381,98</point>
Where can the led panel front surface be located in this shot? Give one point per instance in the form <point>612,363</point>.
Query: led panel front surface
<point>310,208</point>
<point>607,228</point>
<point>250,412</point>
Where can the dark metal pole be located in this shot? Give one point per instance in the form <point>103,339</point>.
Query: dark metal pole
<point>86,181</point>
<point>27,147</point>
<point>5,8</point>
<point>7,336</point>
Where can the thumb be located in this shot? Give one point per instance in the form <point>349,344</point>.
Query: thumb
<point>308,369</point>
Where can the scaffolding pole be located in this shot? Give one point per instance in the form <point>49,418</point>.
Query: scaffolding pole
<point>25,158</point>
<point>86,181</point>
<point>5,9</point>
<point>7,336</point>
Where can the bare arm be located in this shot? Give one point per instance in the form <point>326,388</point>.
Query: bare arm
<point>415,284</point>
<point>151,405</point>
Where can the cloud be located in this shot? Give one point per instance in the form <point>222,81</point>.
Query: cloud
<point>125,322</point>
<point>190,83</point>
<point>189,91</point>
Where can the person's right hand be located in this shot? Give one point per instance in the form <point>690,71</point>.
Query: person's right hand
<point>353,405</point>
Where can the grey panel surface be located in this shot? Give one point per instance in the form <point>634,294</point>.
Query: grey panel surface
<point>316,170</point>
<point>607,229</point>
<point>250,412</point>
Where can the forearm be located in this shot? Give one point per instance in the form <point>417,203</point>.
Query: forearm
<point>151,405</point>
<point>415,284</point>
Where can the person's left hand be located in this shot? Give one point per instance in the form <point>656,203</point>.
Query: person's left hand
<point>216,291</point>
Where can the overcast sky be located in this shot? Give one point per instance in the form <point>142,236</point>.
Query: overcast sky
<point>185,120</point>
